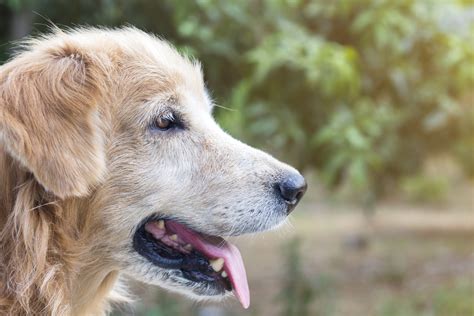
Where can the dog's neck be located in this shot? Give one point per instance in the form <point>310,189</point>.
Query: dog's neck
<point>94,292</point>
<point>45,245</point>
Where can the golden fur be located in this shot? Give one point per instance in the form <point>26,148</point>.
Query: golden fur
<point>79,171</point>
<point>51,154</point>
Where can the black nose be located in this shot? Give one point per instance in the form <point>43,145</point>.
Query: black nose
<point>292,189</point>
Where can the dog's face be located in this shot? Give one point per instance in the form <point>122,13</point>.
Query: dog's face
<point>164,181</point>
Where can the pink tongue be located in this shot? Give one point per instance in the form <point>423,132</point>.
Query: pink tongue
<point>233,264</point>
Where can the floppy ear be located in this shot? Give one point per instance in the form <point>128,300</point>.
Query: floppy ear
<point>49,118</point>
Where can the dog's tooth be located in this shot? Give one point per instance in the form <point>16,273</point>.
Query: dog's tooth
<point>174,237</point>
<point>160,224</point>
<point>224,274</point>
<point>188,247</point>
<point>217,264</point>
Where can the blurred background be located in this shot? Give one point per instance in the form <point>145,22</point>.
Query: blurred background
<point>372,99</point>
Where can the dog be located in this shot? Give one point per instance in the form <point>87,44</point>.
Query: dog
<point>112,167</point>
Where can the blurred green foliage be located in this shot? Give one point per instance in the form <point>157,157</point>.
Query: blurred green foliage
<point>425,189</point>
<point>363,91</point>
<point>297,293</point>
<point>168,305</point>
<point>455,300</point>
<point>464,146</point>
<point>300,295</point>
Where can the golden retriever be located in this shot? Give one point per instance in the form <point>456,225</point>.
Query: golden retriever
<point>111,165</point>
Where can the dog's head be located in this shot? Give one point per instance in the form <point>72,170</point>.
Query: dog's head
<point>123,122</point>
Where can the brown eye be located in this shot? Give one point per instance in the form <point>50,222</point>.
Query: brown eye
<point>167,122</point>
<point>163,123</point>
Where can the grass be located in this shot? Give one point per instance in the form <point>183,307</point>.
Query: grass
<point>424,189</point>
<point>457,300</point>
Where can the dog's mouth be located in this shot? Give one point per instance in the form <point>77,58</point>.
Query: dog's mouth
<point>202,259</point>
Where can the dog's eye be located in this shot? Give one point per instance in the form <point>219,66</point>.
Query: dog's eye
<point>167,122</point>
<point>163,123</point>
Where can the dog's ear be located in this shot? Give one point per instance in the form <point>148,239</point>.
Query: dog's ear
<point>49,116</point>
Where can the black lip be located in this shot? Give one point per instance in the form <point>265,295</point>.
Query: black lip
<point>193,266</point>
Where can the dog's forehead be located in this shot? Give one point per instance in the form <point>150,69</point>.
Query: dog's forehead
<point>159,71</point>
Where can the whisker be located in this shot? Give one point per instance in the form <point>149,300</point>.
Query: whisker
<point>225,108</point>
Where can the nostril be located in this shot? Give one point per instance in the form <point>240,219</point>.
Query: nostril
<point>288,193</point>
<point>300,193</point>
<point>292,189</point>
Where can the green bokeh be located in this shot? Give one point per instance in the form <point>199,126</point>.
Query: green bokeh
<point>363,91</point>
